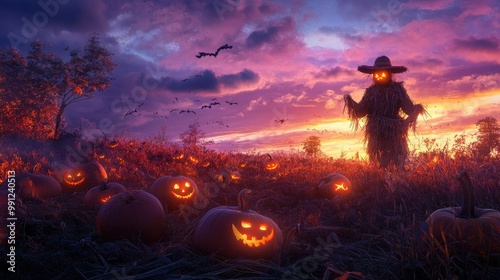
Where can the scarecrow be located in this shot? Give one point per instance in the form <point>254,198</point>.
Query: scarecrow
<point>383,104</point>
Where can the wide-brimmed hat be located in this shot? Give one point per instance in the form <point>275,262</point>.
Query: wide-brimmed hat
<point>382,63</point>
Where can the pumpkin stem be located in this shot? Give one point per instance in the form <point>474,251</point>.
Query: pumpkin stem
<point>128,198</point>
<point>468,209</point>
<point>242,200</point>
<point>270,157</point>
<point>104,186</point>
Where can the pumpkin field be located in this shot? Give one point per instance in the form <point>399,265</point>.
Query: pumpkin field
<point>293,216</point>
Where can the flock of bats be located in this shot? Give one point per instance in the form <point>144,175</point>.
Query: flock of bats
<point>214,100</point>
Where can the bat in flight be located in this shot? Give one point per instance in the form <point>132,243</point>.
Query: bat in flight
<point>210,106</point>
<point>130,113</point>
<point>187,111</point>
<point>232,103</point>
<point>224,47</point>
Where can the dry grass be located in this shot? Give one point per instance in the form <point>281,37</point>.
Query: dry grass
<point>373,233</point>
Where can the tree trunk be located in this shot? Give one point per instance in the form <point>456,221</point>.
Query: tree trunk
<point>57,130</point>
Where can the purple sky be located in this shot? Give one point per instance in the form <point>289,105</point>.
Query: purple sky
<point>290,60</point>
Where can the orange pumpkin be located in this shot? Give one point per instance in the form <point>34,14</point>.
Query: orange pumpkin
<point>85,176</point>
<point>333,185</point>
<point>99,195</point>
<point>237,232</point>
<point>131,214</point>
<point>173,191</point>
<point>466,228</point>
<point>382,77</point>
<point>271,164</point>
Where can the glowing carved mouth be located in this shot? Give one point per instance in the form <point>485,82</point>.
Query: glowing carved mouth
<point>254,241</point>
<point>188,196</point>
<point>341,187</point>
<point>105,199</point>
<point>73,183</point>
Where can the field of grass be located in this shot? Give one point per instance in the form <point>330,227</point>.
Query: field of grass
<point>373,232</point>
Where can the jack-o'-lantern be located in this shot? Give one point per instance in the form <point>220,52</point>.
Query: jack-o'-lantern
<point>173,191</point>
<point>466,229</point>
<point>235,176</point>
<point>113,144</point>
<point>99,195</point>
<point>334,184</point>
<point>243,164</point>
<point>271,164</point>
<point>206,164</point>
<point>382,77</point>
<point>237,232</point>
<point>85,176</point>
<point>130,215</point>
<point>193,159</point>
<point>178,156</point>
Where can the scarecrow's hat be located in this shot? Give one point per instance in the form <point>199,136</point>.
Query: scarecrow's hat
<point>382,63</point>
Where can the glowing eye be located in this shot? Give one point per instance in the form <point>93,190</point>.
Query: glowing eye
<point>245,224</point>
<point>187,184</point>
<point>79,174</point>
<point>263,227</point>
<point>383,74</point>
<point>176,187</point>
<point>69,176</point>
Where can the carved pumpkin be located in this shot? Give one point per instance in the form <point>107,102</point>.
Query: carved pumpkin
<point>85,176</point>
<point>174,191</point>
<point>99,195</point>
<point>235,176</point>
<point>334,184</point>
<point>131,214</point>
<point>466,228</point>
<point>237,232</point>
<point>113,144</point>
<point>271,164</point>
<point>382,77</point>
<point>194,160</point>
<point>29,185</point>
<point>178,156</point>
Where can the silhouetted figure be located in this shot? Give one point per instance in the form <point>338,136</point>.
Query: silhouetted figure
<point>383,104</point>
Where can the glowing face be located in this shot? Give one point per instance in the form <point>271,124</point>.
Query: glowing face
<point>182,190</point>
<point>235,176</point>
<point>272,165</point>
<point>74,178</point>
<point>178,156</point>
<point>193,159</point>
<point>381,77</point>
<point>247,234</point>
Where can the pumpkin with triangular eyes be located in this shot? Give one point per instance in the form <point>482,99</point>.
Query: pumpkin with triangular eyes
<point>85,176</point>
<point>382,77</point>
<point>173,191</point>
<point>237,232</point>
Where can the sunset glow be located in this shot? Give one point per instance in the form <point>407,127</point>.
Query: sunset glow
<point>284,78</point>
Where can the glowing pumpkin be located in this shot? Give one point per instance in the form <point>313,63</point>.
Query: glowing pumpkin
<point>334,184</point>
<point>466,228</point>
<point>382,77</point>
<point>194,160</point>
<point>99,195</point>
<point>178,156</point>
<point>113,144</point>
<point>130,215</point>
<point>235,176</point>
<point>237,232</point>
<point>85,176</point>
<point>271,164</point>
<point>174,191</point>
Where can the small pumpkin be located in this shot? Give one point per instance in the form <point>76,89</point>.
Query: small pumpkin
<point>178,156</point>
<point>29,185</point>
<point>466,228</point>
<point>172,191</point>
<point>333,185</point>
<point>382,77</point>
<point>235,176</point>
<point>85,176</point>
<point>113,144</point>
<point>194,160</point>
<point>100,194</point>
<point>131,214</point>
<point>237,232</point>
<point>271,164</point>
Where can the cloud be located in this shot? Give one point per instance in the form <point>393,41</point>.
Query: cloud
<point>256,102</point>
<point>428,4</point>
<point>332,72</point>
<point>277,36</point>
<point>477,44</point>
<point>244,77</point>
